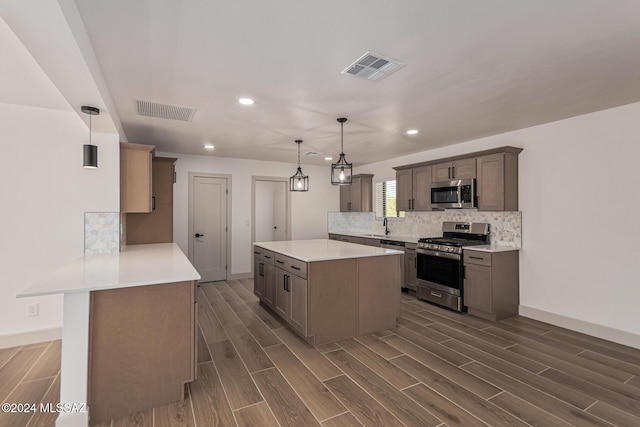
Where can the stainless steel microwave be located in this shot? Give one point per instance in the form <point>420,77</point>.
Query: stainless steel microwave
<point>454,194</point>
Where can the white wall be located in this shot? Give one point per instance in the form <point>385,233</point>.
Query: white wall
<point>308,209</point>
<point>579,178</point>
<point>45,191</point>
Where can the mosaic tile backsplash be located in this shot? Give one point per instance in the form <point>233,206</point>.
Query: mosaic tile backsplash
<point>505,227</point>
<point>101,232</point>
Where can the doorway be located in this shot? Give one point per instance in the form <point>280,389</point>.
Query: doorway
<point>209,225</point>
<point>271,209</point>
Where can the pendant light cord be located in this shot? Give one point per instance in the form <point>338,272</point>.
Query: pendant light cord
<point>341,137</point>
<point>298,155</point>
<point>90,128</point>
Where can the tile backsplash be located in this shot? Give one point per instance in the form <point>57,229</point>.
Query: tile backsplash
<point>505,227</point>
<point>101,232</point>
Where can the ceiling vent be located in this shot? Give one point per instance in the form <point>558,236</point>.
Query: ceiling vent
<point>164,111</point>
<point>373,67</point>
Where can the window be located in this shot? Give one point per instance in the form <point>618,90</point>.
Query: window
<point>385,200</point>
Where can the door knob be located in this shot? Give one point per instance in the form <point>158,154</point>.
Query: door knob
<point>199,235</point>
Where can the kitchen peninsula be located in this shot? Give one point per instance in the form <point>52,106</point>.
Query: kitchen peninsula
<point>128,330</point>
<point>329,290</point>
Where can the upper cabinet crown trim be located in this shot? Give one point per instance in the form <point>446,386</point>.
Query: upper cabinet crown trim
<point>506,149</point>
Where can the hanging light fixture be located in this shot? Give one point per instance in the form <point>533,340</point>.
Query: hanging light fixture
<point>90,151</point>
<point>299,181</point>
<point>341,171</point>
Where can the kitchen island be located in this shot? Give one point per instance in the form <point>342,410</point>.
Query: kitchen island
<point>328,290</point>
<point>128,330</point>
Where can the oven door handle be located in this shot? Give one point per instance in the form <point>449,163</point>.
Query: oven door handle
<point>438,254</point>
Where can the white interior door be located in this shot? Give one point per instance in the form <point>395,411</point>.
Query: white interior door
<point>210,227</point>
<point>280,213</point>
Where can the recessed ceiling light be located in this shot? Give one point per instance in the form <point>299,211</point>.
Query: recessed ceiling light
<point>246,101</point>
<point>412,131</point>
<point>328,158</point>
<point>208,146</point>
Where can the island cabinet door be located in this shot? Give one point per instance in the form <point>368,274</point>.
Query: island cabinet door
<point>298,312</point>
<point>282,298</point>
<point>269,287</point>
<point>258,279</point>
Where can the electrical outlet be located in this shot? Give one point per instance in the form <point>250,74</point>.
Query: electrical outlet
<point>32,310</point>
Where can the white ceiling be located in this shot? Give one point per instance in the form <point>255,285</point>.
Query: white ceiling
<point>474,68</point>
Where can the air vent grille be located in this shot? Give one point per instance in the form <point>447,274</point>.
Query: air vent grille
<point>373,67</point>
<point>164,111</point>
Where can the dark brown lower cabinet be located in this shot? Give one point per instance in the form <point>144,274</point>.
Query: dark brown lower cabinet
<point>491,284</point>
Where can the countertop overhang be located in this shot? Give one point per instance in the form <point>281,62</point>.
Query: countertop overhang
<point>135,265</point>
<point>324,249</point>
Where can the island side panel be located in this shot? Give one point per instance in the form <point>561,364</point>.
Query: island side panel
<point>141,348</point>
<point>378,293</point>
<point>332,300</point>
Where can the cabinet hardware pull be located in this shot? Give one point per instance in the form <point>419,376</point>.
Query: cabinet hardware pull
<point>286,281</point>
<point>153,203</point>
<point>435,294</point>
<point>449,172</point>
<point>453,172</point>
<point>268,257</point>
<point>256,252</point>
<point>279,262</point>
<point>475,257</point>
<point>295,268</point>
<point>261,269</point>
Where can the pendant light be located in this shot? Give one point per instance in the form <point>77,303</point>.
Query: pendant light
<point>90,151</point>
<point>299,181</point>
<point>341,171</point>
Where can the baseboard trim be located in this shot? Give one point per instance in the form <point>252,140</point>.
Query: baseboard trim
<point>240,276</point>
<point>30,337</point>
<point>605,332</point>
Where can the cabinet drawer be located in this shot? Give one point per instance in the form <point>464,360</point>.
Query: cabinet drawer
<point>291,265</point>
<point>334,236</point>
<point>262,254</point>
<point>268,256</point>
<point>410,247</point>
<point>477,257</point>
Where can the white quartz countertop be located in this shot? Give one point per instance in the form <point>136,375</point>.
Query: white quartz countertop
<point>136,265</point>
<point>324,249</point>
<point>491,248</point>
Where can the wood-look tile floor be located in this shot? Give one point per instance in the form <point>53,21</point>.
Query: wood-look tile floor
<point>436,368</point>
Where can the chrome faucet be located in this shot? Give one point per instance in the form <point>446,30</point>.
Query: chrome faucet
<point>385,224</point>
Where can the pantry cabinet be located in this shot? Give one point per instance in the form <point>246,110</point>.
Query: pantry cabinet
<point>136,178</point>
<point>157,225</point>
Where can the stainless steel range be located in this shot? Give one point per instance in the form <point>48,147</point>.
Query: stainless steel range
<point>439,262</point>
